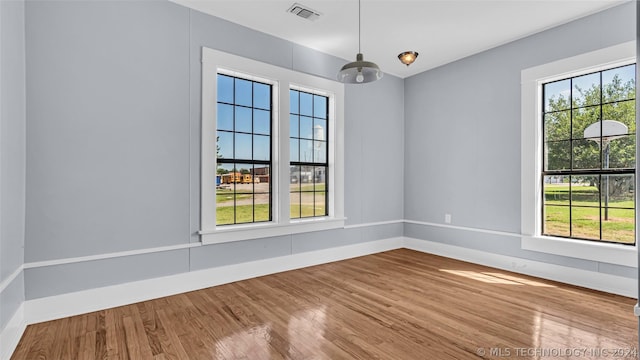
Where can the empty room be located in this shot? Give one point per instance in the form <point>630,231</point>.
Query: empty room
<point>315,179</point>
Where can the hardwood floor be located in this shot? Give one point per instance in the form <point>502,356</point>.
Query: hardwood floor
<point>399,304</point>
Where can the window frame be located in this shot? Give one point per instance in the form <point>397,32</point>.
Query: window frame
<point>572,172</point>
<point>281,79</point>
<point>237,161</point>
<point>531,137</point>
<point>313,163</point>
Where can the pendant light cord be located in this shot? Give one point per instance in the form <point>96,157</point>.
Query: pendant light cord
<point>359,28</point>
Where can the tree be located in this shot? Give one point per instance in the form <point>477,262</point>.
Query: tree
<point>220,170</point>
<point>564,134</point>
<point>566,119</point>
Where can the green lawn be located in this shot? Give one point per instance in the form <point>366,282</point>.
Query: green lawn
<point>586,214</point>
<point>245,213</point>
<point>223,195</point>
<point>308,187</point>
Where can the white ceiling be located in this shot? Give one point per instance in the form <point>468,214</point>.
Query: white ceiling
<point>442,31</point>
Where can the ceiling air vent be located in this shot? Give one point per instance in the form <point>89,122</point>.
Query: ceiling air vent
<point>304,12</point>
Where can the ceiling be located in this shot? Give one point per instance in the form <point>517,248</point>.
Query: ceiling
<point>441,31</point>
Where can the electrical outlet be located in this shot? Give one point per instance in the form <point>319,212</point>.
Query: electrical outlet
<point>447,218</point>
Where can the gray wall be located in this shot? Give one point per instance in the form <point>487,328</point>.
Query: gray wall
<point>113,150</point>
<point>462,137</point>
<point>12,156</point>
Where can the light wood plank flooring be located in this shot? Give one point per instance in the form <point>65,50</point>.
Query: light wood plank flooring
<point>395,305</point>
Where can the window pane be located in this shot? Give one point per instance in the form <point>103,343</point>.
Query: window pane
<point>557,155</point>
<point>320,151</point>
<point>262,175</point>
<point>586,155</point>
<point>585,222</point>
<point>618,191</point>
<point>262,122</point>
<point>586,90</point>
<point>261,96</point>
<point>261,147</point>
<point>556,95</point>
<point>262,207</point>
<point>306,150</point>
<point>320,106</point>
<point>557,126</point>
<point>306,104</point>
<point>225,89</point>
<point>261,179</point>
<point>293,102</point>
<point>243,92</point>
<point>320,178</point>
<point>556,190</point>
<point>225,214</point>
<point>621,153</point>
<point>619,84</point>
<point>623,111</point>
<point>224,168</point>
<point>306,127</point>
<point>224,146</point>
<point>320,129</point>
<point>306,177</point>
<point>244,184</point>
<point>294,150</point>
<point>224,119</point>
<point>582,118</point>
<point>585,190</point>
<point>307,207</point>
<point>244,208</point>
<point>243,147</point>
<point>294,211</point>
<point>556,221</point>
<point>618,225</point>
<point>262,200</point>
<point>294,178</point>
<point>293,126</point>
<point>320,206</point>
<point>243,119</point>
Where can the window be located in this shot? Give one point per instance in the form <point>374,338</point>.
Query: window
<point>243,151</point>
<point>308,154</point>
<point>272,150</point>
<point>563,171</point>
<point>588,160</point>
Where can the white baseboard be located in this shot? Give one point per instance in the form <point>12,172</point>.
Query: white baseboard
<point>584,278</point>
<point>11,334</point>
<point>81,302</point>
<point>55,307</point>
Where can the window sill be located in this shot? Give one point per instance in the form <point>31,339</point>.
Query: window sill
<point>617,254</point>
<point>257,231</point>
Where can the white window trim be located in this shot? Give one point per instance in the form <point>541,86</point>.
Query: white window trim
<point>531,159</point>
<point>214,62</point>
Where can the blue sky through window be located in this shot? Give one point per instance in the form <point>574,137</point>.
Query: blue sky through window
<point>244,119</point>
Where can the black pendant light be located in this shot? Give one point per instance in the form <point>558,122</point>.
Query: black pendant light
<point>359,71</point>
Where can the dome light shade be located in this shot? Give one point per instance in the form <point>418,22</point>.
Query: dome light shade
<point>359,72</point>
<point>408,57</point>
